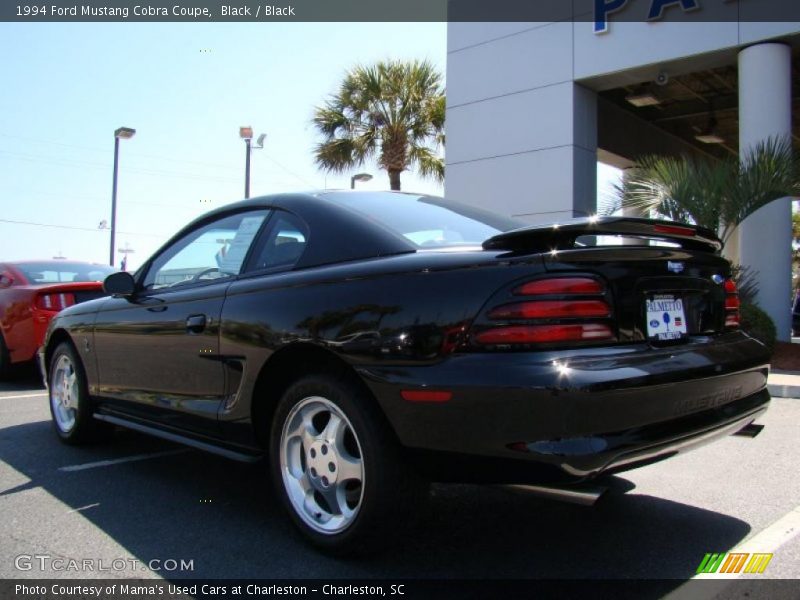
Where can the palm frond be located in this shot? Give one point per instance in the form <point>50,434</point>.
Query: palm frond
<point>428,164</point>
<point>718,195</point>
<point>336,155</point>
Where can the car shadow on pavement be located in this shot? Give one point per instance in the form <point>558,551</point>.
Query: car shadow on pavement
<point>224,517</point>
<point>23,379</point>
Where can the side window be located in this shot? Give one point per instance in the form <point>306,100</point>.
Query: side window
<point>215,251</point>
<point>284,244</point>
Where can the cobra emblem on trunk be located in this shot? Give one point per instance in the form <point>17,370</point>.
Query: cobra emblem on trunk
<point>674,267</point>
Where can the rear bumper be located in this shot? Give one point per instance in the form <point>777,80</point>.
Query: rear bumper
<point>572,415</point>
<point>40,363</point>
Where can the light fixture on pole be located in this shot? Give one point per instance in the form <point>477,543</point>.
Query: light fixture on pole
<point>246,133</point>
<point>359,177</point>
<point>124,133</point>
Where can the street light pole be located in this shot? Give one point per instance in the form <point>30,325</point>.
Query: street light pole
<point>246,133</point>
<point>114,200</point>
<point>124,133</point>
<point>247,169</point>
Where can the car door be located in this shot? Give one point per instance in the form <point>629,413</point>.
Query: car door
<point>157,351</point>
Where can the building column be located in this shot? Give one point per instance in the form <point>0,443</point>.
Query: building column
<point>765,237</point>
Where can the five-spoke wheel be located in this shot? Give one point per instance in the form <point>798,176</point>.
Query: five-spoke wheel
<point>70,404</point>
<point>321,465</point>
<point>64,393</point>
<point>337,465</point>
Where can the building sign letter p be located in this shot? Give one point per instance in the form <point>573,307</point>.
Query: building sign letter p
<point>603,8</point>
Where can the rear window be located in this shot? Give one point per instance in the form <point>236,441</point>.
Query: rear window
<point>63,272</point>
<point>426,221</point>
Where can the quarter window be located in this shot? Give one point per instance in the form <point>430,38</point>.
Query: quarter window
<point>213,252</point>
<point>284,244</point>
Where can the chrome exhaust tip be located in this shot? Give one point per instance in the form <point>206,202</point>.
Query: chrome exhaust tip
<point>751,430</point>
<point>585,495</point>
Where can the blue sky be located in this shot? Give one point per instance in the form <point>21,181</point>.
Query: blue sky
<point>186,89</point>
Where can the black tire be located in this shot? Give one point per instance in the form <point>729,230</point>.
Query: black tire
<point>64,364</point>
<point>390,490</point>
<point>5,360</point>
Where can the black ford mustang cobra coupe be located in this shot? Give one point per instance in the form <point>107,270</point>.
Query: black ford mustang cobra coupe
<point>367,342</point>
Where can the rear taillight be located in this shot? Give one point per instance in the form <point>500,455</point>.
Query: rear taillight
<point>551,309</point>
<point>55,302</point>
<point>731,304</point>
<point>542,334</point>
<point>562,285</point>
<point>546,311</point>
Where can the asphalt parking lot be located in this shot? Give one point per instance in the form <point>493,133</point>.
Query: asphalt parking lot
<point>144,499</point>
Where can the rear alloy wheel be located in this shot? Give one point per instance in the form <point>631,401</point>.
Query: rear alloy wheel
<point>336,465</point>
<point>70,405</point>
<point>323,474</point>
<point>5,360</point>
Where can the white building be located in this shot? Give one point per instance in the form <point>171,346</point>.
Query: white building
<point>532,108</point>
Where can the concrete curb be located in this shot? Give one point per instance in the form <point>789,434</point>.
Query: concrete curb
<point>784,384</point>
<point>784,391</point>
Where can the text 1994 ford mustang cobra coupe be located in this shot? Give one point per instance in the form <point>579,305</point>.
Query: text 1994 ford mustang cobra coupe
<point>366,342</point>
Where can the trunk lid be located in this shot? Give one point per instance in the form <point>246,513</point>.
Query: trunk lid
<point>664,293</point>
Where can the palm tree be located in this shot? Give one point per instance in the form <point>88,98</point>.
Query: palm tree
<point>393,110</point>
<point>718,195</point>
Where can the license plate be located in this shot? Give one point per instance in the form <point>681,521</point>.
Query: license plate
<point>666,319</point>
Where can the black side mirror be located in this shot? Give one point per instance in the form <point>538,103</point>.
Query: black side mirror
<point>119,284</point>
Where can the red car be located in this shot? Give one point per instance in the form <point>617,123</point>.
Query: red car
<point>31,293</point>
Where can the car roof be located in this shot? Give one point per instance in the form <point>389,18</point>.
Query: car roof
<point>52,261</point>
<point>337,233</point>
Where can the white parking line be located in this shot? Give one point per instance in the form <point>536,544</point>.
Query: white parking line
<point>23,396</point>
<point>74,510</point>
<point>118,461</point>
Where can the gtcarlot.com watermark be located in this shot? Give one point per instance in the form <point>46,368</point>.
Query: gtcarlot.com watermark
<point>45,562</point>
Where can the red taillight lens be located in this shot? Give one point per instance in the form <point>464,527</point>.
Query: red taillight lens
<point>552,309</point>
<point>561,285</point>
<point>54,302</point>
<point>567,303</point>
<point>731,304</point>
<point>674,230</point>
<point>539,334</point>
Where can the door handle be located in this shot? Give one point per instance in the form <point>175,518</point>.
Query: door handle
<point>195,323</point>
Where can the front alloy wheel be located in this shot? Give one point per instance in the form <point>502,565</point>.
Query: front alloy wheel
<point>64,393</point>
<point>70,404</point>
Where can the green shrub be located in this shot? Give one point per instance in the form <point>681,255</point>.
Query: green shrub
<point>758,324</point>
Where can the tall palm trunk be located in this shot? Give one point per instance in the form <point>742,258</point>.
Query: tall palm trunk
<point>394,179</point>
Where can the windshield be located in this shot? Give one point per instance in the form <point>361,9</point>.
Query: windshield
<point>426,221</point>
<point>63,272</point>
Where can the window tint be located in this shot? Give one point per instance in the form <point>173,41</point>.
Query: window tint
<point>63,272</point>
<point>429,222</point>
<point>213,252</point>
<point>284,244</point>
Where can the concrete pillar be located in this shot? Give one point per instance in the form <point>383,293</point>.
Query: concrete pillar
<point>765,237</point>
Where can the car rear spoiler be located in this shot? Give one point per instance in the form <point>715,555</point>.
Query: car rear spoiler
<point>562,236</point>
